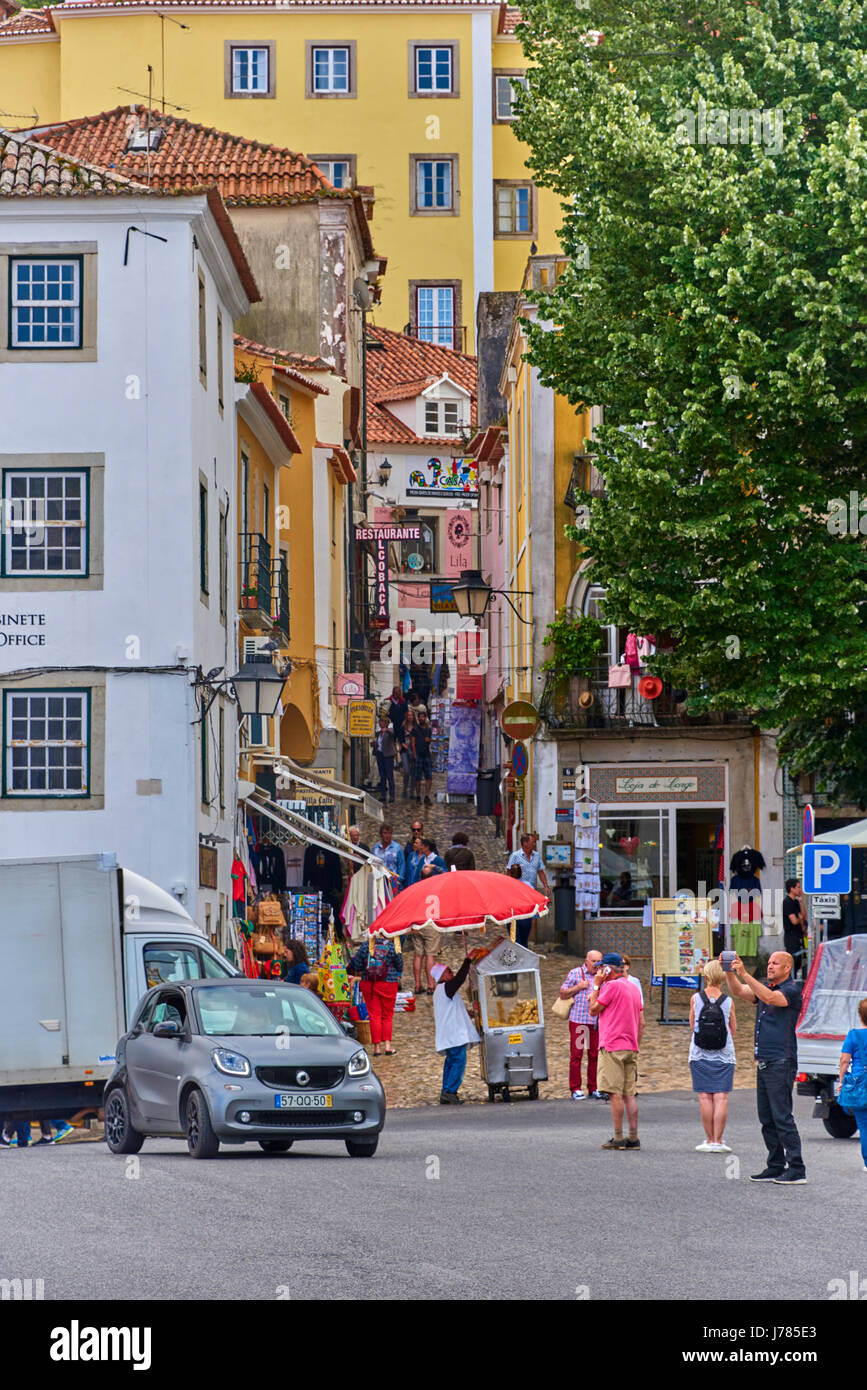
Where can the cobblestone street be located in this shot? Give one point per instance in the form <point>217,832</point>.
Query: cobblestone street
<point>413,1076</point>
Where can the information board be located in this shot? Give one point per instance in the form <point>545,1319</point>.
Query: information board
<point>682,936</point>
<point>362,718</point>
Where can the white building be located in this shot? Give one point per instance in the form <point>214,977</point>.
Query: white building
<point>118,434</point>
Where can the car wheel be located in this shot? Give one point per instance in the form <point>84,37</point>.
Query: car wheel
<point>506,1095</point>
<point>119,1133</point>
<point>361,1148</point>
<point>202,1142</point>
<point>839,1124</point>
<point>276,1146</point>
<point>534,1090</point>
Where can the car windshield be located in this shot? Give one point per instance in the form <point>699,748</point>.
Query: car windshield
<point>247,1011</point>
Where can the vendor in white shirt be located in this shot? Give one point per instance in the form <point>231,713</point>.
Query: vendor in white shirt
<point>454,1028</point>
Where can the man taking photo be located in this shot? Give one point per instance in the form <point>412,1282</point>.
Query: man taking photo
<point>778,1004</point>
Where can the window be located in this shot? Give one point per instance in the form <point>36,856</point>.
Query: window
<point>249,69</point>
<point>170,1008</point>
<point>498,503</point>
<point>433,69</point>
<point>421,556</point>
<point>442,417</point>
<point>514,209</point>
<point>245,490</point>
<point>203,537</point>
<point>331,70</point>
<point>48,302</point>
<point>45,302</point>
<point>224,565</point>
<point>221,753</point>
<point>45,531</point>
<point>220,359</point>
<point>166,964</point>
<point>285,406</point>
<point>505,85</point>
<point>203,333</point>
<point>266,512</point>
<point>435,315</point>
<point>338,169</point>
<point>433,184</point>
<point>46,736</point>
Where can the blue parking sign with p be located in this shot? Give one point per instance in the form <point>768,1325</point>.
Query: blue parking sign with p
<point>827,868</point>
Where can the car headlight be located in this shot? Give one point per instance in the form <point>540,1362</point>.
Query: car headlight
<point>232,1063</point>
<point>359,1064</point>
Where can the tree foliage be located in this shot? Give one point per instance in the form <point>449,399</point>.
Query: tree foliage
<point>714,303</point>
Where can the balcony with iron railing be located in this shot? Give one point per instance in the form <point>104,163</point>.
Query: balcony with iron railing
<point>255,582</point>
<point>585,483</point>
<point>588,703</point>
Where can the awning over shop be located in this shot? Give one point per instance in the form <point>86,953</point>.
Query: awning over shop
<point>326,786</point>
<point>854,835</point>
<point>306,831</point>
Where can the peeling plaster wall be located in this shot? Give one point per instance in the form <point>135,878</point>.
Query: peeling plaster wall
<point>282,246</point>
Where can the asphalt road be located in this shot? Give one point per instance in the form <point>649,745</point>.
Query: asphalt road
<point>484,1202</point>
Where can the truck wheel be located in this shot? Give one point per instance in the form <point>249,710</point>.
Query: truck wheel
<point>839,1124</point>
<point>276,1146</point>
<point>506,1095</point>
<point>533,1088</point>
<point>361,1148</point>
<point>202,1142</point>
<point>492,1094</point>
<point>119,1133</point>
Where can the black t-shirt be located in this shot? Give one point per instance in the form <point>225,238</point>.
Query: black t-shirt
<point>421,740</point>
<point>775,1027</point>
<point>791,910</point>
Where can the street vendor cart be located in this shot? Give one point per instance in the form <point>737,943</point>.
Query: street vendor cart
<point>505,988</point>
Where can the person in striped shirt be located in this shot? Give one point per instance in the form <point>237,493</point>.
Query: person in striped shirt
<point>583,1027</point>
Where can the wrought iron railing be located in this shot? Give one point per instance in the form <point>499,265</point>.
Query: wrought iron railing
<point>585,483</point>
<point>584,703</point>
<point>280,595</point>
<point>255,577</point>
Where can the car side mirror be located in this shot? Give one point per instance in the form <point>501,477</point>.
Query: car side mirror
<point>168,1030</point>
<point>349,1028</point>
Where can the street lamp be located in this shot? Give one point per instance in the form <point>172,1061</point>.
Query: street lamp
<point>471,595</point>
<point>258,687</point>
<point>384,473</point>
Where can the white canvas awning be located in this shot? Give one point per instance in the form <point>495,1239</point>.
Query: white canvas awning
<point>854,835</point>
<point>306,831</point>
<point>325,786</point>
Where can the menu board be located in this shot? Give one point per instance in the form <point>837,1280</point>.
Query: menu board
<point>682,941</point>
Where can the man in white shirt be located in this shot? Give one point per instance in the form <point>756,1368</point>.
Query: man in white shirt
<point>529,861</point>
<point>454,1028</point>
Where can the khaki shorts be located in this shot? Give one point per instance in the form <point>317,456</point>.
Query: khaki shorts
<point>426,941</point>
<point>617,1073</point>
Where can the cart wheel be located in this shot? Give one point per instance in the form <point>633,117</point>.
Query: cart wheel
<point>491,1094</point>
<point>506,1095</point>
<point>534,1090</point>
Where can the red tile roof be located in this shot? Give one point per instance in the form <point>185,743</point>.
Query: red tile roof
<point>247,172</point>
<point>510,17</point>
<point>32,170</point>
<point>27,22</point>
<point>288,363</point>
<point>76,5</point>
<point>402,371</point>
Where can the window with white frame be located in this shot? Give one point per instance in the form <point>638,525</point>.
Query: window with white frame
<point>338,172</point>
<point>434,69</point>
<point>513,209</point>
<point>251,70</point>
<point>442,417</point>
<point>435,314</point>
<point>505,87</point>
<point>46,733</point>
<point>45,522</point>
<point>45,302</point>
<point>331,70</point>
<point>434,185</point>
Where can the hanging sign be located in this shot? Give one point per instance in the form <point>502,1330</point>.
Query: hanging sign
<point>350,686</point>
<point>380,591</point>
<point>362,718</point>
<point>519,760</point>
<point>387,533</point>
<point>809,823</point>
<point>444,478</point>
<point>519,788</point>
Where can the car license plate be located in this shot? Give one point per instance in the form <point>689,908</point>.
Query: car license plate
<point>303,1102</point>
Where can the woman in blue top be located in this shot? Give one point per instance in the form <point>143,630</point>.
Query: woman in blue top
<point>414,863</point>
<point>855,1051</point>
<point>297,963</point>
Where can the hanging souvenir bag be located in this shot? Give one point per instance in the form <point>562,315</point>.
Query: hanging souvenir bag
<point>264,943</point>
<point>619,677</point>
<point>271,913</point>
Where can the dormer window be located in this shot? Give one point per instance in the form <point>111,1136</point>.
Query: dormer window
<point>143,139</point>
<point>442,417</point>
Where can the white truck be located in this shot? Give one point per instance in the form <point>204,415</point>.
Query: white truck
<point>82,939</point>
<point>836,983</point>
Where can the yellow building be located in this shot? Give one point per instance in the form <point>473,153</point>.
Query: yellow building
<point>410,98</point>
<point>295,521</point>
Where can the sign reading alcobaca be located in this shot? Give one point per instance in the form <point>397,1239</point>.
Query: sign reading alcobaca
<point>451,477</point>
<point>12,636</point>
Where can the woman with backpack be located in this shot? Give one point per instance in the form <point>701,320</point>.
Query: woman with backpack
<point>380,971</point>
<point>712,1056</point>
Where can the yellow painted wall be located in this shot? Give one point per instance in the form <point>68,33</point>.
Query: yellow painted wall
<point>30,83</point>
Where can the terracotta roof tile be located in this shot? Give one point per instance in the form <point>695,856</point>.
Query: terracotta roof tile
<point>26,22</point>
<point>32,170</point>
<point>402,371</point>
<point>510,18</point>
<point>288,363</point>
<point>77,5</point>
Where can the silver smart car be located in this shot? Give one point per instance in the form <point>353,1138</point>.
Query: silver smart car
<point>232,1060</point>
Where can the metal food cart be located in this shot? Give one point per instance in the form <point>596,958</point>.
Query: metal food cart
<point>505,988</point>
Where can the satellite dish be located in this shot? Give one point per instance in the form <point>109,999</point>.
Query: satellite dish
<point>361,293</point>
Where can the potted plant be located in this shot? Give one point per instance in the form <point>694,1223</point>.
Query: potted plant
<point>576,642</point>
<point>250,596</point>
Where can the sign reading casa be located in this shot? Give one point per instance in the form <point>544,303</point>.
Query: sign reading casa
<point>10,636</point>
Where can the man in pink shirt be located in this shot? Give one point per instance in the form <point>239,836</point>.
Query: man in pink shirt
<point>620,1010</point>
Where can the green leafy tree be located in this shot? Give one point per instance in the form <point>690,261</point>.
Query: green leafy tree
<point>712,165</point>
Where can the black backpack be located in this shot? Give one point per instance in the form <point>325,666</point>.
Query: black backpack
<point>712,1031</point>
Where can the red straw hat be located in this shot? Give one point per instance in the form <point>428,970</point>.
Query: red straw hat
<point>650,687</point>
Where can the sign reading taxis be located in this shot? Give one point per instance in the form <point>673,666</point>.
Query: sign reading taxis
<point>362,718</point>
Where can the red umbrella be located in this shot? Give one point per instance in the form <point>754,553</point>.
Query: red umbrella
<point>462,900</point>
